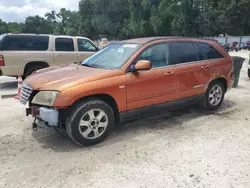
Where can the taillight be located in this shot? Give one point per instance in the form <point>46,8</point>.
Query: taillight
<point>1,61</point>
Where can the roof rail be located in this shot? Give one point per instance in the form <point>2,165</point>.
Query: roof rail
<point>181,37</point>
<point>15,32</point>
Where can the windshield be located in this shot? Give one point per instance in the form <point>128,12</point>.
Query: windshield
<point>113,56</point>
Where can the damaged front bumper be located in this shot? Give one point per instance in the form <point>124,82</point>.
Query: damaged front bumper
<point>46,116</point>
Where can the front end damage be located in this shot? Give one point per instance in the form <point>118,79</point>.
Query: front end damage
<point>43,115</point>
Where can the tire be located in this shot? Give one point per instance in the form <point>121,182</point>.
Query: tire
<point>248,73</point>
<point>29,70</point>
<point>207,102</point>
<point>90,133</point>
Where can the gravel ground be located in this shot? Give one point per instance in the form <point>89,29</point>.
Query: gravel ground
<point>183,148</point>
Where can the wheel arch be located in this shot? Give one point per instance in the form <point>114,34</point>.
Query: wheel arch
<point>32,63</point>
<point>219,79</point>
<point>104,97</point>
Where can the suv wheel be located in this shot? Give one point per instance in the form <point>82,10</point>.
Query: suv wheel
<point>214,96</point>
<point>90,122</point>
<point>31,69</point>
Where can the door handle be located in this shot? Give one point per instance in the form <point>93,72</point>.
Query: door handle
<point>204,66</point>
<point>168,73</point>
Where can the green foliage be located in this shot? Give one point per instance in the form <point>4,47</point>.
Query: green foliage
<point>121,19</point>
<point>3,27</point>
<point>36,24</point>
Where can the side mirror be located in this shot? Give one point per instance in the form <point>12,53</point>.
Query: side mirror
<point>141,65</point>
<point>96,49</point>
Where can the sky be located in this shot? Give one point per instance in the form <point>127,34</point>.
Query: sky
<point>17,10</point>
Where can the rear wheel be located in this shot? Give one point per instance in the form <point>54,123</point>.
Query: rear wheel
<point>30,69</point>
<point>214,96</point>
<point>90,122</point>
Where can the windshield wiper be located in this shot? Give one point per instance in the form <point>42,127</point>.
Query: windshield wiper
<point>87,65</point>
<point>95,66</point>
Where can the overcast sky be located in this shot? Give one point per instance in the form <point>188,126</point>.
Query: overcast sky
<point>17,10</point>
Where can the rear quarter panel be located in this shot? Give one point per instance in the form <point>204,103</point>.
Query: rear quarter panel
<point>15,61</point>
<point>221,68</point>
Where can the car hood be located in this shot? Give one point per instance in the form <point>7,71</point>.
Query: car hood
<point>62,77</point>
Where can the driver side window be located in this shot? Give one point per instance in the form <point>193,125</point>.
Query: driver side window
<point>157,54</point>
<point>85,46</point>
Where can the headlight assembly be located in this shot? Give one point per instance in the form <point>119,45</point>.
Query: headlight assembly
<point>45,98</point>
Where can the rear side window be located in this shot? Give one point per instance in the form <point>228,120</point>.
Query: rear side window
<point>2,36</point>
<point>184,52</point>
<point>64,44</point>
<point>1,40</point>
<point>25,43</point>
<point>209,51</point>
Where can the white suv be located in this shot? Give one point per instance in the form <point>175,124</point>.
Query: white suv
<point>26,53</point>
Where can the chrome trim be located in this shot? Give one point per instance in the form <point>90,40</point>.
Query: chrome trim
<point>181,64</point>
<point>163,67</point>
<point>198,86</point>
<point>25,93</point>
<point>192,62</point>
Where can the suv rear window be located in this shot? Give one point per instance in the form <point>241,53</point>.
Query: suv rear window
<point>1,36</point>
<point>208,51</point>
<point>184,52</point>
<point>25,43</point>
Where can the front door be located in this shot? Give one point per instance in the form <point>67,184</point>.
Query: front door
<point>65,52</point>
<point>191,70</point>
<point>155,86</point>
<point>85,49</point>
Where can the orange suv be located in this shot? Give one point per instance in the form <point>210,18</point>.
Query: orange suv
<point>127,79</point>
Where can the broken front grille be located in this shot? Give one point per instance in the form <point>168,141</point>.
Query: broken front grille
<point>25,93</point>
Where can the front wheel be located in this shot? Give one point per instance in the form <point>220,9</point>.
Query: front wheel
<point>214,96</point>
<point>90,122</point>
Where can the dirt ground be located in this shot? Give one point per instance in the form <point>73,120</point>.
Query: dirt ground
<point>183,148</point>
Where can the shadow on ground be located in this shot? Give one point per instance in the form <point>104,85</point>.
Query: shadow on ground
<point>173,120</point>
<point>8,85</point>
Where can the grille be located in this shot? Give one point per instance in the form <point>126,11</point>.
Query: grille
<point>25,93</point>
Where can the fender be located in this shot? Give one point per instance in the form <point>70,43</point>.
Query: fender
<point>115,87</point>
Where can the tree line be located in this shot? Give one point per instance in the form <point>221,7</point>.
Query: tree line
<point>119,19</point>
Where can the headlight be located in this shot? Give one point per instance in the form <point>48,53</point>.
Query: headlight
<point>45,98</point>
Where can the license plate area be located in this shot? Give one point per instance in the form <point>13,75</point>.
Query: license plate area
<point>33,111</point>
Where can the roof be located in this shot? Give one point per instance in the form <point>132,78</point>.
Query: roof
<point>32,34</point>
<point>150,39</point>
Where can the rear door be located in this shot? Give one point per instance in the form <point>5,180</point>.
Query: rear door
<point>191,72</point>
<point>215,65</point>
<point>65,52</point>
<point>85,49</point>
